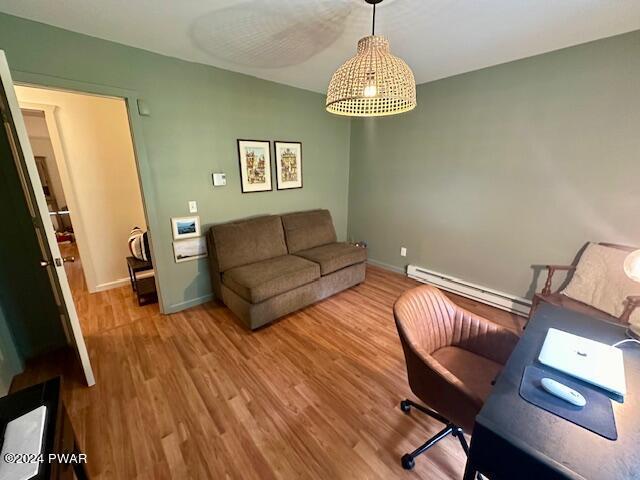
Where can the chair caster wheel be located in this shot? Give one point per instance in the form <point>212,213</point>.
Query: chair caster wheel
<point>408,462</point>
<point>404,406</point>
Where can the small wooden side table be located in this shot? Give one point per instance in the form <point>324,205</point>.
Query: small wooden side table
<point>145,288</point>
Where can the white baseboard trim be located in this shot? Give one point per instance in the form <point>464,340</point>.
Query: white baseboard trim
<point>386,266</point>
<point>120,282</point>
<point>101,287</point>
<point>177,307</point>
<point>488,296</point>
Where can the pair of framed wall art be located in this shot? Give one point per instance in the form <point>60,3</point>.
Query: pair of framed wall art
<point>188,243</point>
<point>254,157</point>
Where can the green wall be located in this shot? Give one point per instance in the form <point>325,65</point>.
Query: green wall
<point>494,171</point>
<point>505,167</point>
<point>197,113</point>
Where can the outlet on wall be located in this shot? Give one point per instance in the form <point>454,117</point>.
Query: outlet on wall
<point>193,207</point>
<point>403,251</point>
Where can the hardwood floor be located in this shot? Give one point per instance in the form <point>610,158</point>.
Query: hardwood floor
<point>195,395</point>
<point>102,310</point>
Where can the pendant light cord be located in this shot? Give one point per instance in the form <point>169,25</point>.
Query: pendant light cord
<point>373,26</point>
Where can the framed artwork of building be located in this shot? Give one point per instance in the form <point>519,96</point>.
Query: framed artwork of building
<point>254,157</point>
<point>288,165</point>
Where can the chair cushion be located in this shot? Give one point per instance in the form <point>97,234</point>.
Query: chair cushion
<point>248,241</point>
<point>600,281</point>
<point>334,256</point>
<point>305,230</point>
<point>262,280</point>
<point>475,371</point>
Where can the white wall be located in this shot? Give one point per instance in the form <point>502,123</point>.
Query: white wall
<point>99,177</point>
<point>42,147</point>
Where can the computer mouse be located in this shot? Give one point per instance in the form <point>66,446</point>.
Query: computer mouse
<point>562,391</point>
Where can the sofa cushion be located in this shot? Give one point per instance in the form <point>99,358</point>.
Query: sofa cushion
<point>334,256</point>
<point>262,280</point>
<point>248,241</point>
<point>305,230</point>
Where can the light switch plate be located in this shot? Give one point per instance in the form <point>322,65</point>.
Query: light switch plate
<point>193,207</point>
<point>219,179</point>
<point>403,251</point>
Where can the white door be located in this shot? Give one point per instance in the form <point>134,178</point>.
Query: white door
<point>13,124</point>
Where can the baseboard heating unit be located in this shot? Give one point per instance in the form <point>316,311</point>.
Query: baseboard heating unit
<point>495,298</point>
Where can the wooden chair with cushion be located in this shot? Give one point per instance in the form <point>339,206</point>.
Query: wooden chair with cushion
<point>562,298</point>
<point>453,357</point>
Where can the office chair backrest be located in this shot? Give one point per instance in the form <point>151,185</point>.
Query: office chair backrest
<point>425,318</point>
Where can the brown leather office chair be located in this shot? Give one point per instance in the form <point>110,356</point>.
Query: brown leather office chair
<point>453,357</point>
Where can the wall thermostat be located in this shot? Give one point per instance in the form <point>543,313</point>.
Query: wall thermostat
<point>143,108</point>
<point>219,179</point>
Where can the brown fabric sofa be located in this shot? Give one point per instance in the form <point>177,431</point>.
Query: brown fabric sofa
<point>266,267</point>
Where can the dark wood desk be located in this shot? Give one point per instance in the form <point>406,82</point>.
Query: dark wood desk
<point>513,439</point>
<point>58,433</point>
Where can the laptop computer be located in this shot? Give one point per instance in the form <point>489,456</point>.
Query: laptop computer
<point>593,362</point>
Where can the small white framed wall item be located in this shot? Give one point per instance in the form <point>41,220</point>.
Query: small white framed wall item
<point>219,179</point>
<point>185,227</point>
<point>189,249</point>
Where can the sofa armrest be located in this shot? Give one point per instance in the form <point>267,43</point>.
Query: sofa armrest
<point>214,267</point>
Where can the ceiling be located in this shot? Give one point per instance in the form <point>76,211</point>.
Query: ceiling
<point>301,42</point>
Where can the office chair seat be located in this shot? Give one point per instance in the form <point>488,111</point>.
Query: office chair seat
<point>474,371</point>
<point>453,356</point>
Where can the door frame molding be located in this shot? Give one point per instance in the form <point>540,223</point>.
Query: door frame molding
<point>143,166</point>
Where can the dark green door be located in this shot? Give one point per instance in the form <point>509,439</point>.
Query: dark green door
<point>33,282</point>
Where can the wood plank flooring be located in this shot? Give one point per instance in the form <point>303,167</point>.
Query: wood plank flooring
<point>196,395</point>
<point>101,310</point>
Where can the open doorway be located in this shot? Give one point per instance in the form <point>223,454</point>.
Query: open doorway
<point>84,152</point>
<point>49,174</point>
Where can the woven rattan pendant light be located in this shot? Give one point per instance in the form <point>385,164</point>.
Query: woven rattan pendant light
<point>374,82</point>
